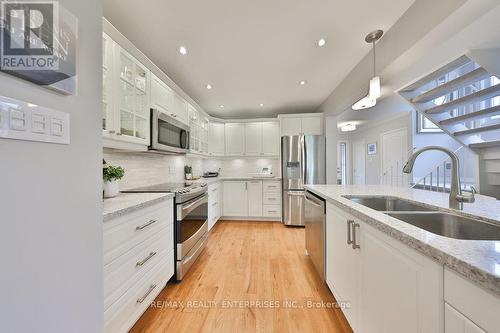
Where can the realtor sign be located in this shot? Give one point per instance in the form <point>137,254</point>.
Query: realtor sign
<point>39,43</point>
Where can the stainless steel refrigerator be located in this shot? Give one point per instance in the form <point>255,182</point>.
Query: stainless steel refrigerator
<point>303,161</point>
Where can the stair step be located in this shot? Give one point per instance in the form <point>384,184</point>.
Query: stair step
<point>486,144</point>
<point>471,116</point>
<point>472,98</point>
<point>478,130</point>
<point>448,87</point>
<point>438,73</point>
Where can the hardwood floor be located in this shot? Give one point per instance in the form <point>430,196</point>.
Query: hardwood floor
<point>247,262</point>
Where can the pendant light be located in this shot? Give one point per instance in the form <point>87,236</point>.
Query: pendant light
<point>370,100</point>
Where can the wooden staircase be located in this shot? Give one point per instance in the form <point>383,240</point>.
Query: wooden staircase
<point>462,98</point>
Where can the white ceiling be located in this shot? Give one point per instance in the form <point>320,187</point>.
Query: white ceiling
<point>257,51</point>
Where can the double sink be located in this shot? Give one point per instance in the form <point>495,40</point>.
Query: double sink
<point>432,220</point>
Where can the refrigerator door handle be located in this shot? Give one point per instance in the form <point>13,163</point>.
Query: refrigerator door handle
<point>304,161</point>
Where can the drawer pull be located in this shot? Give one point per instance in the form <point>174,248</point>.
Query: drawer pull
<point>214,204</point>
<point>145,260</point>
<point>145,225</point>
<point>271,199</point>
<point>140,300</point>
<point>214,190</point>
<point>272,211</point>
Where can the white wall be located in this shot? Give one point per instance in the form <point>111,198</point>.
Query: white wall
<point>242,167</point>
<point>50,204</point>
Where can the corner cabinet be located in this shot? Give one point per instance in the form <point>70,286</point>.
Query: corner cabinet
<point>366,267</point>
<point>199,128</point>
<point>126,85</point>
<point>216,138</point>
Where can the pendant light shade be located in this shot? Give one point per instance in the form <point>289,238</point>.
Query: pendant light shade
<point>375,88</point>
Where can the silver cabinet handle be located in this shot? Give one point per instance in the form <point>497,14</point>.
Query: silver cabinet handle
<point>145,225</point>
<point>145,260</point>
<point>214,204</point>
<point>112,132</point>
<point>354,245</point>
<point>140,300</point>
<point>349,236</point>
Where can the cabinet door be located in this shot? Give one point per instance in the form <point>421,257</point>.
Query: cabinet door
<point>271,138</point>
<point>107,84</point>
<point>253,139</point>
<point>254,198</point>
<point>161,95</point>
<point>342,263</point>
<point>291,126</point>
<point>312,126</point>
<point>455,322</point>
<point>216,139</point>
<point>235,139</point>
<point>235,198</point>
<point>398,280</point>
<point>180,109</point>
<point>132,107</point>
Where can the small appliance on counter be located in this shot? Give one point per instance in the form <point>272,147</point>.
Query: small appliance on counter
<point>210,174</point>
<point>265,172</point>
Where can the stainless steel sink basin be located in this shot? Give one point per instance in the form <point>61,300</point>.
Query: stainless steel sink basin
<point>388,204</point>
<point>451,226</point>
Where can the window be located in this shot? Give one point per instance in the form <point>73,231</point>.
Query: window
<point>424,125</point>
<point>342,169</point>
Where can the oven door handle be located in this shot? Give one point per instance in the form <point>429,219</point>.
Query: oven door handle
<point>185,210</point>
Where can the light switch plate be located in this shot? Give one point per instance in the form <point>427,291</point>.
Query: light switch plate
<point>26,121</point>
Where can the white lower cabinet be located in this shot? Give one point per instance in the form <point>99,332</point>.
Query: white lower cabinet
<point>252,199</point>
<point>138,262</point>
<point>387,286</point>
<point>455,322</point>
<point>214,204</point>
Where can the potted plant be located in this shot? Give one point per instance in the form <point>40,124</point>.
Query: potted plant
<point>188,171</point>
<point>111,175</point>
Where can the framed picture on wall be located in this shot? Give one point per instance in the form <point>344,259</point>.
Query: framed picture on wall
<point>372,148</point>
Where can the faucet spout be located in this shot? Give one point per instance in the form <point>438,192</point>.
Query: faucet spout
<point>456,197</point>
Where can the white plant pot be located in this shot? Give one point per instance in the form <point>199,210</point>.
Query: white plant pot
<point>111,189</point>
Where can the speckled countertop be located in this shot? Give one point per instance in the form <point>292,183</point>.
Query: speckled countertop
<point>478,261</point>
<point>219,179</point>
<point>126,203</point>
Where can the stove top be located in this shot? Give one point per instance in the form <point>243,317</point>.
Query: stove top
<point>183,191</point>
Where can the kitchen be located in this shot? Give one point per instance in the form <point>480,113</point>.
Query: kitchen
<point>257,174</point>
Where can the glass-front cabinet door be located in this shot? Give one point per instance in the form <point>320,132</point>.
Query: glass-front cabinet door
<point>107,85</point>
<point>133,106</point>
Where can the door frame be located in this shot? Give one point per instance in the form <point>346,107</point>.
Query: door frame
<point>405,129</point>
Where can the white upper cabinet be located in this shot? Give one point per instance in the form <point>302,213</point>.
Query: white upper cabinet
<point>235,139</point>
<point>302,125</point>
<point>253,139</point>
<point>162,97</point>
<point>216,139</point>
<point>107,85</point>
<point>180,109</point>
<point>198,126</point>
<point>271,138</point>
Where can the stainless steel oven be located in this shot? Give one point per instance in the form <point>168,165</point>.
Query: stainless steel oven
<point>168,135</point>
<point>191,232</point>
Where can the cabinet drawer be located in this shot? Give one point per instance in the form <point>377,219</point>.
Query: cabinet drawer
<point>271,211</point>
<point>272,198</point>
<point>122,234</point>
<point>214,189</point>
<point>272,186</point>
<point>125,271</point>
<point>122,314</point>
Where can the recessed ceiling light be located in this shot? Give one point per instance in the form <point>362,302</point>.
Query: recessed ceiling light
<point>31,105</point>
<point>221,106</point>
<point>321,42</point>
<point>302,83</point>
<point>209,86</point>
<point>183,50</point>
<point>261,105</point>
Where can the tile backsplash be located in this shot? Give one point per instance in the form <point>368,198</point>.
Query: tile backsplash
<point>142,169</point>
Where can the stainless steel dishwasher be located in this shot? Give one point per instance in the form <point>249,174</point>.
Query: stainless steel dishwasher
<point>315,222</point>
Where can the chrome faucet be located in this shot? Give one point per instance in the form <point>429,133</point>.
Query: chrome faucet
<point>456,197</point>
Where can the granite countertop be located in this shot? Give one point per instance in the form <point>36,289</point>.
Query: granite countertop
<point>478,261</point>
<point>126,203</point>
<point>222,178</point>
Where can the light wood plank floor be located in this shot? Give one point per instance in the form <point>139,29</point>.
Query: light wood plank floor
<point>247,261</point>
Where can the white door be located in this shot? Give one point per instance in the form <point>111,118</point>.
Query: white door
<point>235,139</point>
<point>394,156</point>
<point>291,126</point>
<point>271,138</point>
<point>235,198</point>
<point>216,139</point>
<point>312,126</point>
<point>254,198</point>
<point>253,139</point>
<point>358,162</point>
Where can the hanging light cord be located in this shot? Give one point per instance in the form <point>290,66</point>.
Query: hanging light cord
<point>374,62</point>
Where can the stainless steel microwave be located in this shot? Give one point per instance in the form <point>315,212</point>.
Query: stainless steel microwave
<point>168,135</point>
